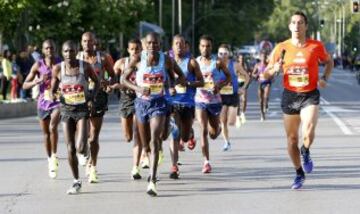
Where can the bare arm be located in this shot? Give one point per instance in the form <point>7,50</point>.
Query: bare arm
<point>124,80</point>
<point>92,75</point>
<point>118,71</point>
<point>194,67</point>
<point>255,72</point>
<point>55,80</point>
<point>30,80</point>
<point>329,65</point>
<point>108,65</point>
<point>172,68</point>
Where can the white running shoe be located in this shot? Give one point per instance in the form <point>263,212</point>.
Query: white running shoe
<point>243,118</point>
<point>82,159</point>
<point>151,189</point>
<point>75,188</point>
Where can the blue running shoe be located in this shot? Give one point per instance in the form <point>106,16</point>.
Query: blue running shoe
<point>227,146</point>
<point>174,129</point>
<point>307,162</point>
<point>298,182</point>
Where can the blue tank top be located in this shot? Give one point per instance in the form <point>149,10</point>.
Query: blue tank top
<point>153,77</point>
<point>211,77</point>
<point>185,95</point>
<point>232,87</point>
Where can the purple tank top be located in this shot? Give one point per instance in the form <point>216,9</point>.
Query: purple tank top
<point>44,101</point>
<point>261,70</point>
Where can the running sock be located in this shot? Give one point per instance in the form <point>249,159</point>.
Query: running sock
<point>300,171</point>
<point>305,150</point>
<point>206,162</point>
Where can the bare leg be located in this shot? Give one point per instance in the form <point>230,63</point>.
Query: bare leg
<point>44,124</point>
<point>54,135</point>
<point>95,128</point>
<point>156,125</point>
<point>69,128</point>
<point>292,125</point>
<point>202,117</point>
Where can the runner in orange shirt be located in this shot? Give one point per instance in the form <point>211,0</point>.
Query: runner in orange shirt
<point>299,58</point>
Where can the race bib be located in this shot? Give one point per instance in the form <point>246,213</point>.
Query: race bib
<point>298,76</point>
<point>208,81</point>
<point>74,94</point>
<point>299,80</point>
<point>47,95</point>
<point>227,90</point>
<point>241,79</point>
<point>155,82</point>
<point>180,89</point>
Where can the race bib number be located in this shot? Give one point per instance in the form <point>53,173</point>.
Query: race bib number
<point>180,89</point>
<point>299,80</point>
<point>227,90</point>
<point>155,82</point>
<point>298,76</point>
<point>74,94</point>
<point>241,79</point>
<point>47,96</point>
<point>208,81</point>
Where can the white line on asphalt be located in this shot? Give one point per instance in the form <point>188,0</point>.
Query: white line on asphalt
<point>336,119</point>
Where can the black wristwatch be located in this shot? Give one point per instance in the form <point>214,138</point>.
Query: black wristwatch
<point>323,77</point>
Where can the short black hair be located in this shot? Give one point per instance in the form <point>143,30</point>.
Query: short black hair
<point>155,35</point>
<point>207,38</point>
<point>300,13</point>
<point>69,43</point>
<point>135,41</point>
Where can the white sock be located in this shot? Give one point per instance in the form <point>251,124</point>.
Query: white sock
<point>206,162</point>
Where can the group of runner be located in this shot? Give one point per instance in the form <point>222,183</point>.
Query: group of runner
<point>170,90</point>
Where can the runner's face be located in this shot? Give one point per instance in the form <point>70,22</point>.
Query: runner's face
<point>298,26</point>
<point>178,46</point>
<point>262,57</point>
<point>48,49</point>
<point>205,47</point>
<point>223,53</point>
<point>68,52</point>
<point>152,44</point>
<point>87,42</point>
<point>133,49</point>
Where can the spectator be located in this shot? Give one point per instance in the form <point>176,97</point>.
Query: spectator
<point>25,61</point>
<point>7,72</point>
<point>16,79</point>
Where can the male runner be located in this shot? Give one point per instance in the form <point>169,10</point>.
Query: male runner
<point>299,58</point>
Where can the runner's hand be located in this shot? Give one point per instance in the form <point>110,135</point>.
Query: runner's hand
<point>144,91</point>
<point>322,83</point>
<point>91,106</point>
<point>216,89</point>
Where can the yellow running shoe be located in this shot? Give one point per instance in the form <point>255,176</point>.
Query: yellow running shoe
<point>161,157</point>
<point>53,166</point>
<point>135,173</point>
<point>93,176</point>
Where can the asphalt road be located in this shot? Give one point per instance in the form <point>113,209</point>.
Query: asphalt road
<point>254,177</point>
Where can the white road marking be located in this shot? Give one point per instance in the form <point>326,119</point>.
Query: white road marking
<point>336,119</point>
